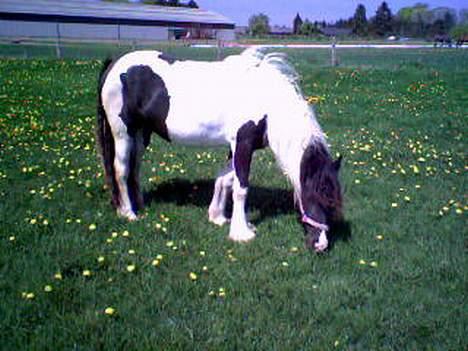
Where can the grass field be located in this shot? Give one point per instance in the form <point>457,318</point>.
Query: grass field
<point>74,276</point>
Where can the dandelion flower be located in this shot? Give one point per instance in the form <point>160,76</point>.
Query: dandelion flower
<point>131,268</point>
<point>362,261</point>
<point>58,276</point>
<point>110,311</point>
<point>193,276</point>
<point>126,234</point>
<point>379,237</point>
<point>100,259</point>
<point>48,288</point>
<point>87,273</point>
<point>92,227</point>
<point>12,238</point>
<point>29,296</point>
<point>155,263</point>
<point>373,264</point>
<point>285,264</point>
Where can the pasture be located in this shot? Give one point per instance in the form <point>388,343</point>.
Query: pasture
<point>75,276</point>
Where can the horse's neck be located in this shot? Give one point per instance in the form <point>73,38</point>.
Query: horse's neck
<point>290,137</point>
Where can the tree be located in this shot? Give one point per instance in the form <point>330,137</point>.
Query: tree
<point>259,25</point>
<point>297,25</point>
<point>360,21</point>
<point>192,4</point>
<point>383,20</point>
<point>308,28</point>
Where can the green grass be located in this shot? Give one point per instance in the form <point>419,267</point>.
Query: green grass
<point>398,283</point>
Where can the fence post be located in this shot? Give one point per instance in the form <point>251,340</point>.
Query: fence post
<point>58,49</point>
<point>333,52</point>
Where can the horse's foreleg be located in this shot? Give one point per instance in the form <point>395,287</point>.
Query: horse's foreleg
<point>137,150</point>
<point>222,188</point>
<point>123,150</point>
<point>243,151</point>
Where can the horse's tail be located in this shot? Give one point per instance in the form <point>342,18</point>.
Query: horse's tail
<point>105,138</point>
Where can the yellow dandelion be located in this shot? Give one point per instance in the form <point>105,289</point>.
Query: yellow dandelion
<point>159,257</point>
<point>221,292</point>
<point>193,276</point>
<point>170,244</point>
<point>131,268</point>
<point>373,264</point>
<point>29,296</point>
<point>101,259</point>
<point>459,211</point>
<point>33,221</point>
<point>361,261</point>
<point>156,263</point>
<point>131,252</point>
<point>205,268</point>
<point>48,288</point>
<point>202,253</point>
<point>379,237</point>
<point>58,276</point>
<point>285,264</point>
<point>92,227</point>
<point>87,273</point>
<point>126,234</point>
<point>12,238</point>
<point>114,234</point>
<point>110,311</point>
<point>394,204</point>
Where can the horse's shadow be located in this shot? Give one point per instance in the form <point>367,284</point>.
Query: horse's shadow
<point>265,202</point>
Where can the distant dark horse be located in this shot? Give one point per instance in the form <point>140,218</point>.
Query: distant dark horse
<point>247,102</point>
<point>442,39</point>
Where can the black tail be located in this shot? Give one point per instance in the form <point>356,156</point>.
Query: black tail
<point>105,139</point>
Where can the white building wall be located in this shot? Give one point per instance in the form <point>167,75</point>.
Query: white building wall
<point>27,29</point>
<point>93,31</point>
<point>144,33</point>
<point>81,31</point>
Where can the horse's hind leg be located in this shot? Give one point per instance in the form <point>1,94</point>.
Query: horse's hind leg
<point>222,188</point>
<point>123,154</point>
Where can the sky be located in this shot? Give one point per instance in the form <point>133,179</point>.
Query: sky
<point>282,12</point>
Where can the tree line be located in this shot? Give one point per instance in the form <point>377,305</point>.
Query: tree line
<point>418,21</point>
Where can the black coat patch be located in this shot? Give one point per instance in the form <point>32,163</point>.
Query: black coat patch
<point>146,101</point>
<point>250,137</point>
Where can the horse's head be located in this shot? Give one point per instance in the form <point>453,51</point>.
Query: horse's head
<point>321,197</point>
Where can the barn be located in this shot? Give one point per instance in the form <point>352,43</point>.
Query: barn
<point>93,19</point>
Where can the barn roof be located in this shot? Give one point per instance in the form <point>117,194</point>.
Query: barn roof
<point>92,11</point>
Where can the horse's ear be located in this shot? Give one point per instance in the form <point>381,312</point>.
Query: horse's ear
<point>337,163</point>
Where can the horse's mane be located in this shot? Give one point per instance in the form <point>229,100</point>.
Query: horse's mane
<point>275,62</point>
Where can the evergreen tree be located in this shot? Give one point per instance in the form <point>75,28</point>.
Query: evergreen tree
<point>383,20</point>
<point>360,21</point>
<point>297,25</point>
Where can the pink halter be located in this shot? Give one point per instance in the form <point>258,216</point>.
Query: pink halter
<point>308,220</point>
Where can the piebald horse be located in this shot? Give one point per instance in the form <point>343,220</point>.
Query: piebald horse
<point>247,102</point>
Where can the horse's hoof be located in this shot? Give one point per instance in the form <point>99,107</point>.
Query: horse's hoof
<point>129,215</point>
<point>242,237</point>
<point>219,220</point>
